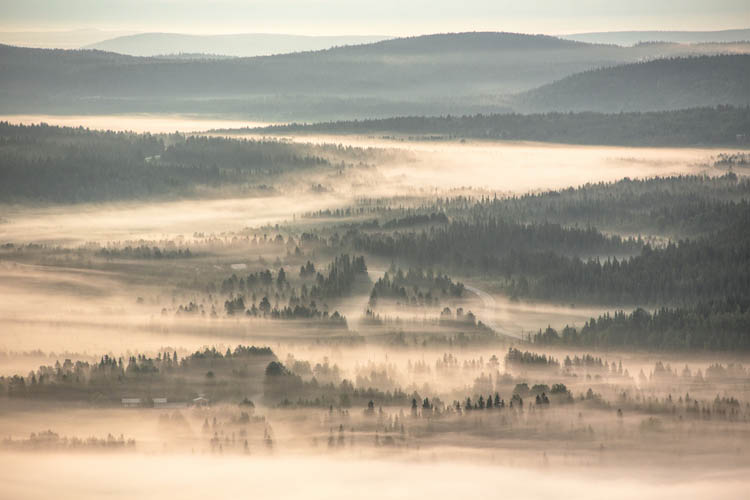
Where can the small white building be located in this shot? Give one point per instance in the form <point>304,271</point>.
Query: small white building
<point>200,401</point>
<point>131,402</point>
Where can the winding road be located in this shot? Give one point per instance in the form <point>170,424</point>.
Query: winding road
<point>490,306</point>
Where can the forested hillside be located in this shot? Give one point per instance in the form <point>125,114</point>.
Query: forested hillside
<point>431,74</point>
<point>546,265</point>
<point>717,325</point>
<point>520,243</point>
<point>671,207</point>
<point>654,85</point>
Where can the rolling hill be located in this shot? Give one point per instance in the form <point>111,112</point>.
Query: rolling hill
<point>661,84</point>
<point>58,39</point>
<point>455,73</point>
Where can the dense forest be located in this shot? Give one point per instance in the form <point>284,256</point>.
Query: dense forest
<point>713,325</point>
<point>721,125</point>
<point>544,261</point>
<point>67,165</point>
<point>476,241</point>
<point>521,242</point>
<point>226,155</point>
<point>675,207</point>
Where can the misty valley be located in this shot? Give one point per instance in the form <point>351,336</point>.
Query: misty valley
<point>461,264</point>
<point>261,298</point>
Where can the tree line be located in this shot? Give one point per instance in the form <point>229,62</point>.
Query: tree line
<point>137,375</point>
<point>720,125</point>
<point>45,163</point>
<point>715,325</point>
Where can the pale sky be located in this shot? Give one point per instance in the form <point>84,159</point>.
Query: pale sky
<point>379,17</point>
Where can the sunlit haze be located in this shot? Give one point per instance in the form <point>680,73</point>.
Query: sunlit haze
<point>327,249</point>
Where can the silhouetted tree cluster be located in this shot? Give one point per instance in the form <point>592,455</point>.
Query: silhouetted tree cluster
<point>145,377</point>
<point>144,252</point>
<point>524,359</point>
<point>415,287</point>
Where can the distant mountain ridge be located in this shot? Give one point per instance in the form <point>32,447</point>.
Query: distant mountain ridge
<point>260,44</point>
<point>238,45</point>
<point>442,73</point>
<point>61,39</point>
<point>451,73</point>
<point>627,38</point>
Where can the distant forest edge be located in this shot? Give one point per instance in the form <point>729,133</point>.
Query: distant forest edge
<point>721,125</point>
<point>51,164</point>
<point>45,163</point>
<point>637,37</point>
